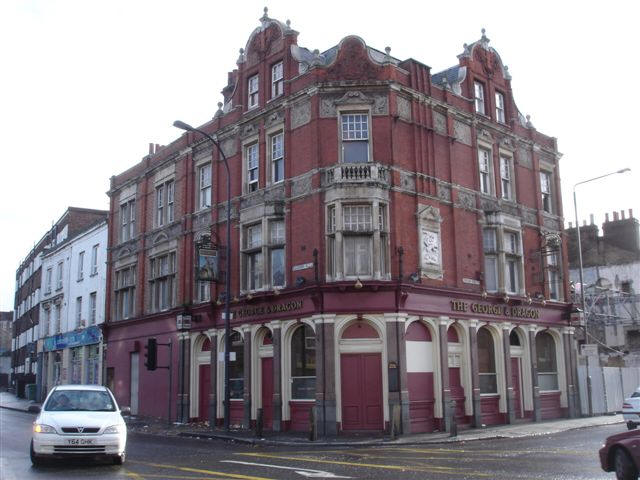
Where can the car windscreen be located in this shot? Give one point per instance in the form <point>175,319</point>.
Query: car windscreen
<point>80,400</point>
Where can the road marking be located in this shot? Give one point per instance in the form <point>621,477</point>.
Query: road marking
<point>305,472</point>
<point>200,470</point>
<point>432,469</point>
<point>134,475</point>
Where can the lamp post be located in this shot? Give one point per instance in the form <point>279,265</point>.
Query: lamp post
<point>575,208</point>
<point>227,313</point>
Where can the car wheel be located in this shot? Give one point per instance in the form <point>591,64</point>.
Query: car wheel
<point>631,425</point>
<point>119,459</point>
<point>35,460</point>
<point>625,468</point>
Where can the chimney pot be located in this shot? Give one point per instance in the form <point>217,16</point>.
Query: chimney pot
<point>591,218</point>
<point>631,213</point>
<point>606,217</point>
<point>622,214</point>
<point>615,216</point>
<point>151,149</point>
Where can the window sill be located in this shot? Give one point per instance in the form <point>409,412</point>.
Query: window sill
<point>489,394</point>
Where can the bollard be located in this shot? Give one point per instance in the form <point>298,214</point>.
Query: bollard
<point>313,428</point>
<point>453,431</point>
<point>259,423</point>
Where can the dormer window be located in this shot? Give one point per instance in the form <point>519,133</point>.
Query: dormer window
<point>253,91</point>
<point>277,80</point>
<point>479,97</point>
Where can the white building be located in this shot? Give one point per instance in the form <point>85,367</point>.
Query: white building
<point>72,309</point>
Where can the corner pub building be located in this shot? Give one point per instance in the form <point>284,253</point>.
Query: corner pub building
<point>396,244</point>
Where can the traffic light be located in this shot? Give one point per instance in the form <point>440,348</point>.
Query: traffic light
<point>152,354</point>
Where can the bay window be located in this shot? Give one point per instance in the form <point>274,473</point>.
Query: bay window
<point>554,276</point>
<point>263,256</point>
<point>503,260</point>
<point>513,261</point>
<point>357,241</point>
<point>490,260</point>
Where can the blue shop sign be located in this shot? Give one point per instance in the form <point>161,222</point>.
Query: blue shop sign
<point>87,336</point>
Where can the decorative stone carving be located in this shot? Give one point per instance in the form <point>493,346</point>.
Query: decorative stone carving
<point>530,217</point>
<point>430,247</point>
<point>510,208</point>
<point>444,192</point>
<point>408,181</point>
<point>275,193</point>
<point>524,157</point>
<point>489,205</point>
<point>328,103</point>
<point>551,223</point>
<point>440,122</point>
<point>274,118</point>
<point>300,114</point>
<point>202,220</point>
<point>229,146</point>
<point>462,132</point>
<point>248,130</point>
<point>404,108</point>
<point>507,143</point>
<point>485,134</point>
<point>466,200</point>
<point>301,186</point>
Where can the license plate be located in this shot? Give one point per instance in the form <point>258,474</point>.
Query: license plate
<point>80,441</point>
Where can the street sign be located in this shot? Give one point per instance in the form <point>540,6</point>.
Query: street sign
<point>590,350</point>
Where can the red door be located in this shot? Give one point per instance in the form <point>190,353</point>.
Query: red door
<point>361,380</point>
<point>515,383</point>
<point>205,385</point>
<point>267,392</point>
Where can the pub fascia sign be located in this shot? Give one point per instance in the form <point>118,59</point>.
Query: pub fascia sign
<point>497,310</point>
<point>269,309</point>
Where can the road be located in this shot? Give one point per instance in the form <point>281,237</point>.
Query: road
<point>568,455</point>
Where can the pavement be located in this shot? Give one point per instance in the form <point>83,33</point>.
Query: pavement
<point>202,430</point>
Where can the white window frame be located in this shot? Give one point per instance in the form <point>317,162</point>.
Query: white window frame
<point>479,97</point>
<point>125,291</point>
<point>490,249</point>
<point>554,276</point>
<point>500,110</point>
<point>170,200</point>
<point>276,156</point>
<point>48,280</point>
<point>546,191</point>
<point>485,171</point>
<point>277,79</point>
<point>127,220</point>
<point>93,304</point>
<point>162,281</point>
<point>508,248</point>
<point>160,205</point>
<point>262,248</point>
<point>506,177</point>
<point>80,265</point>
<point>59,275</point>
<point>94,259</point>
<point>204,186</point>
<point>253,91</point>
<point>348,122</point>
<point>251,155</point>
<point>78,312</point>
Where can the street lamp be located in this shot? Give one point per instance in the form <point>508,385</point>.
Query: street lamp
<point>575,207</point>
<point>227,313</point>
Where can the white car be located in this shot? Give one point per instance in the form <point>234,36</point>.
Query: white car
<point>80,421</point>
<point>631,410</point>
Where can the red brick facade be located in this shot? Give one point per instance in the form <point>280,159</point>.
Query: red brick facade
<point>380,158</point>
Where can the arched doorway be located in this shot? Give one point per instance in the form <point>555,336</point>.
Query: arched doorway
<point>489,394</point>
<point>420,367</point>
<point>204,379</point>
<point>303,376</point>
<point>547,362</point>
<point>361,378</point>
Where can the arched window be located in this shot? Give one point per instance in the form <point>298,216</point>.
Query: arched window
<point>486,362</point>
<point>547,365</point>
<point>303,364</point>
<point>236,367</point>
<point>514,339</point>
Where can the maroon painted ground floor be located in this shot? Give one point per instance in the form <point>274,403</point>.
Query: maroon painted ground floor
<point>439,355</point>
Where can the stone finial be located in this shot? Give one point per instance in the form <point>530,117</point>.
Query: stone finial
<point>288,22</point>
<point>219,112</point>
<point>266,12</point>
<point>241,57</point>
<point>387,51</point>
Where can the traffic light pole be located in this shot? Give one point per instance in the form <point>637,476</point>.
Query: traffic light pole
<point>152,360</point>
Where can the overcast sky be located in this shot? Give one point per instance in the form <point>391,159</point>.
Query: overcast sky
<point>87,84</point>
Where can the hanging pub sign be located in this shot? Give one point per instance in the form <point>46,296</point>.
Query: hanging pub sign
<point>206,261</point>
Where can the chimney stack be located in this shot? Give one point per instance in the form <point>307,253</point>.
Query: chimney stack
<point>622,214</point>
<point>631,213</point>
<point>615,216</point>
<point>151,149</point>
<point>606,218</point>
<point>591,218</point>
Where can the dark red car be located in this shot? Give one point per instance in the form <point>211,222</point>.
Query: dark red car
<point>621,454</point>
